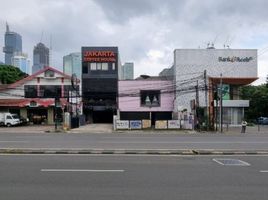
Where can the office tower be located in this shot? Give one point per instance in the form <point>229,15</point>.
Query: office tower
<point>13,44</point>
<point>72,64</point>
<point>127,71</point>
<point>21,61</point>
<point>40,57</point>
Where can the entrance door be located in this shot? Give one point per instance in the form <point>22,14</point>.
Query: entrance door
<point>37,115</point>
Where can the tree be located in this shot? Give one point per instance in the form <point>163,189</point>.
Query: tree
<point>10,74</point>
<point>258,97</point>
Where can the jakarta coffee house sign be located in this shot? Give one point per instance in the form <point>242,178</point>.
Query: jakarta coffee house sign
<point>99,56</point>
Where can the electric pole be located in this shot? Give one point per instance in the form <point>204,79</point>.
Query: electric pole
<point>197,105</point>
<point>206,99</point>
<point>221,111</point>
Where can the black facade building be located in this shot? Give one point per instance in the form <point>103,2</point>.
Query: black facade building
<point>99,83</point>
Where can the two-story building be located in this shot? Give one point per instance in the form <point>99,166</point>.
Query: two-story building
<point>42,96</point>
<point>146,98</point>
<point>200,73</point>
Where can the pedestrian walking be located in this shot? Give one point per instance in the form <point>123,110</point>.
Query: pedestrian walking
<point>244,126</point>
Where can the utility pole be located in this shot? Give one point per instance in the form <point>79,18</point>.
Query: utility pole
<point>221,111</point>
<point>206,99</point>
<point>197,104</point>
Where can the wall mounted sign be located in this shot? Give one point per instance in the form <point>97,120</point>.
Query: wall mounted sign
<point>99,56</point>
<point>235,59</point>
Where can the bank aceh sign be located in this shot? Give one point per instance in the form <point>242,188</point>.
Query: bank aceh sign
<point>235,59</point>
<point>99,56</point>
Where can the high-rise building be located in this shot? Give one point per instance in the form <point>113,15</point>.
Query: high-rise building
<point>40,57</point>
<point>72,64</point>
<point>127,71</point>
<point>13,44</point>
<point>21,61</point>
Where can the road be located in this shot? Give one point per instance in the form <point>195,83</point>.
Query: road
<point>69,177</point>
<point>134,141</point>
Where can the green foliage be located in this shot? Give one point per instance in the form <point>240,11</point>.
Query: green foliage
<point>10,74</point>
<point>258,97</point>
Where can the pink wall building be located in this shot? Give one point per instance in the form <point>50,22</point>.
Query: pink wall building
<point>150,98</point>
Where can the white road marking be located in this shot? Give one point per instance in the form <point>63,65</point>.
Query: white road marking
<point>81,170</point>
<point>8,141</point>
<point>239,162</point>
<point>178,142</point>
<point>264,171</point>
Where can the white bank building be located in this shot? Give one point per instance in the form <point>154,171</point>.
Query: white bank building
<point>194,69</point>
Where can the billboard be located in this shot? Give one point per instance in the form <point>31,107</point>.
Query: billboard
<point>122,124</point>
<point>146,123</point>
<point>161,124</point>
<point>135,124</point>
<point>174,124</point>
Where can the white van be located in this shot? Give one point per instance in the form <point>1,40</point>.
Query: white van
<point>9,119</point>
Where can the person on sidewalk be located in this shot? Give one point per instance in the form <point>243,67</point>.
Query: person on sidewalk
<point>244,125</point>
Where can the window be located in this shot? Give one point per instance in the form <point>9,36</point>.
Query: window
<point>104,66</point>
<point>85,69</point>
<point>93,66</point>
<point>50,91</point>
<point>30,91</point>
<point>98,66</point>
<point>113,66</point>
<point>150,98</point>
<point>49,74</point>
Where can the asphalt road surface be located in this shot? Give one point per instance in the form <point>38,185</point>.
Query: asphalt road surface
<point>75,177</point>
<point>134,141</point>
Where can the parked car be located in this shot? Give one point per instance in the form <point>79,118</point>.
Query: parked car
<point>8,119</point>
<point>262,120</point>
<point>24,121</point>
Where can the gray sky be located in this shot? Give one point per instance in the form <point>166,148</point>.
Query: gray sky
<point>146,31</point>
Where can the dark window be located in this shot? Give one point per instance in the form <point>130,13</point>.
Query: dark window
<point>30,91</point>
<point>50,91</point>
<point>150,98</point>
<point>85,69</point>
<point>49,74</point>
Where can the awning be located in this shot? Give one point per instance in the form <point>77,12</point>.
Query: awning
<point>233,81</point>
<point>31,102</point>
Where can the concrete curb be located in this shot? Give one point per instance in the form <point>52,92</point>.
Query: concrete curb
<point>132,151</point>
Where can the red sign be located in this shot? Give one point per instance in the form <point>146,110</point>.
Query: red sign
<point>99,56</point>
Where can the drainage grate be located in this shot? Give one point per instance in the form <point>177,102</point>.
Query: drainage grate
<point>231,162</point>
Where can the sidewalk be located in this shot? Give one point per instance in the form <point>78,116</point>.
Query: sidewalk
<point>108,128</point>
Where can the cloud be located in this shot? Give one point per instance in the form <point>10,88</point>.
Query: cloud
<point>146,31</point>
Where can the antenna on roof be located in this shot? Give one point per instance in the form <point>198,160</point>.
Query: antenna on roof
<point>7,27</point>
<point>41,36</point>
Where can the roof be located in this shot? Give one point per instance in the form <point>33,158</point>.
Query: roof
<point>29,78</point>
<point>151,78</point>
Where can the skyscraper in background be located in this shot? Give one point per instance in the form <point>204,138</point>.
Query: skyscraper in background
<point>127,71</point>
<point>40,57</point>
<point>13,44</point>
<point>21,61</point>
<point>72,64</point>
